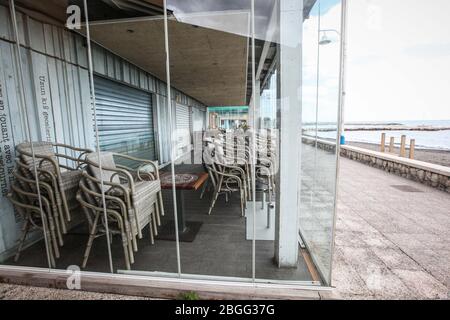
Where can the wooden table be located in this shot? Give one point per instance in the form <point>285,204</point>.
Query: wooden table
<point>183,182</point>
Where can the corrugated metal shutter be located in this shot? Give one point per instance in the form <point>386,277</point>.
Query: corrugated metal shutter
<point>125,119</point>
<point>199,120</point>
<point>183,125</point>
<point>183,117</point>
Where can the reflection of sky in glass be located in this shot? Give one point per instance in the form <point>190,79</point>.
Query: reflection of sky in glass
<point>325,6</point>
<point>268,104</point>
<point>328,63</point>
<point>225,15</point>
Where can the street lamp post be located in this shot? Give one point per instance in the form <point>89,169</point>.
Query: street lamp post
<point>343,57</point>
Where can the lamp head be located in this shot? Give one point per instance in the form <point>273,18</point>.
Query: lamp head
<point>325,40</point>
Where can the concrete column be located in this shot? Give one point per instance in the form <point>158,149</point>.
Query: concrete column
<point>289,82</point>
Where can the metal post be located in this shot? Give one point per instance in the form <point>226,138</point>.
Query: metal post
<point>255,104</point>
<point>172,156</point>
<point>12,7</point>
<point>340,127</point>
<point>99,159</point>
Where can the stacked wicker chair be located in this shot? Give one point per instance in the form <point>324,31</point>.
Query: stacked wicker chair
<point>58,165</point>
<point>226,176</point>
<point>55,168</point>
<point>228,159</point>
<point>133,199</point>
<point>26,201</point>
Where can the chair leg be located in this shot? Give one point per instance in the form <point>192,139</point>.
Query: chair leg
<point>61,213</point>
<point>204,189</point>
<point>25,229</point>
<point>158,217</point>
<point>64,201</point>
<point>129,241</point>
<point>92,236</point>
<point>270,190</point>
<point>215,195</point>
<point>153,222</point>
<point>161,204</point>
<point>242,203</point>
<point>134,241</point>
<point>53,236</point>
<point>150,228</point>
<point>124,244</point>
<point>46,228</point>
<point>138,226</point>
<point>55,213</point>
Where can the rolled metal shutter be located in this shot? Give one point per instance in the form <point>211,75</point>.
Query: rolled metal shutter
<point>183,125</point>
<point>125,119</point>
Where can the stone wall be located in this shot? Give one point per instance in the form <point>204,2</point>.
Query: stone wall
<point>428,174</point>
<point>321,144</point>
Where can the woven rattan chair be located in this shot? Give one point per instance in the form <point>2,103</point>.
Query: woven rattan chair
<point>27,204</point>
<point>139,188</point>
<point>97,223</point>
<point>46,190</point>
<point>57,164</point>
<point>225,179</point>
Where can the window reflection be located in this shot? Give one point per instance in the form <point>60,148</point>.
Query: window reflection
<point>177,163</point>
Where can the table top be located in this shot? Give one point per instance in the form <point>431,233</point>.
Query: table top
<point>183,181</point>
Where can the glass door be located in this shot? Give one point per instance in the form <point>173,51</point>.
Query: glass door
<point>321,124</point>
<point>210,61</point>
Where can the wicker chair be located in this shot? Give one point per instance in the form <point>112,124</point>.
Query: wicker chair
<point>27,204</point>
<point>225,179</point>
<point>140,189</point>
<point>46,191</point>
<point>116,220</point>
<point>60,170</point>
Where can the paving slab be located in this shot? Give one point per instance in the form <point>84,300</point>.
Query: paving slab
<point>390,244</point>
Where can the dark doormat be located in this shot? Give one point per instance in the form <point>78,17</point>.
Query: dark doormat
<point>167,231</point>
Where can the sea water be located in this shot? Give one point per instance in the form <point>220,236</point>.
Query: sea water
<point>424,139</point>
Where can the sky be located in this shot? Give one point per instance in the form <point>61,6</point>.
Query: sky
<point>398,56</point>
<point>398,61</point>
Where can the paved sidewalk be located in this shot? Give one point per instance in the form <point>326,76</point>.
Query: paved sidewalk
<point>390,243</point>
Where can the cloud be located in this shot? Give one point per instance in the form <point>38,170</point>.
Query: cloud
<point>398,61</point>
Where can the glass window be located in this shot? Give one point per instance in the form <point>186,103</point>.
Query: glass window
<point>166,138</point>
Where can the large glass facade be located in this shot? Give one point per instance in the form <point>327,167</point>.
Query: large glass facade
<point>173,138</point>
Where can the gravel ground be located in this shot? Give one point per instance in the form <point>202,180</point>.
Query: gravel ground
<point>16,292</point>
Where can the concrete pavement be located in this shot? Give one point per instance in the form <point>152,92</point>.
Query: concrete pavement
<point>392,237</point>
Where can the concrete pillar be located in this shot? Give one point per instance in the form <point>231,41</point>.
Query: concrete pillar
<point>289,82</point>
